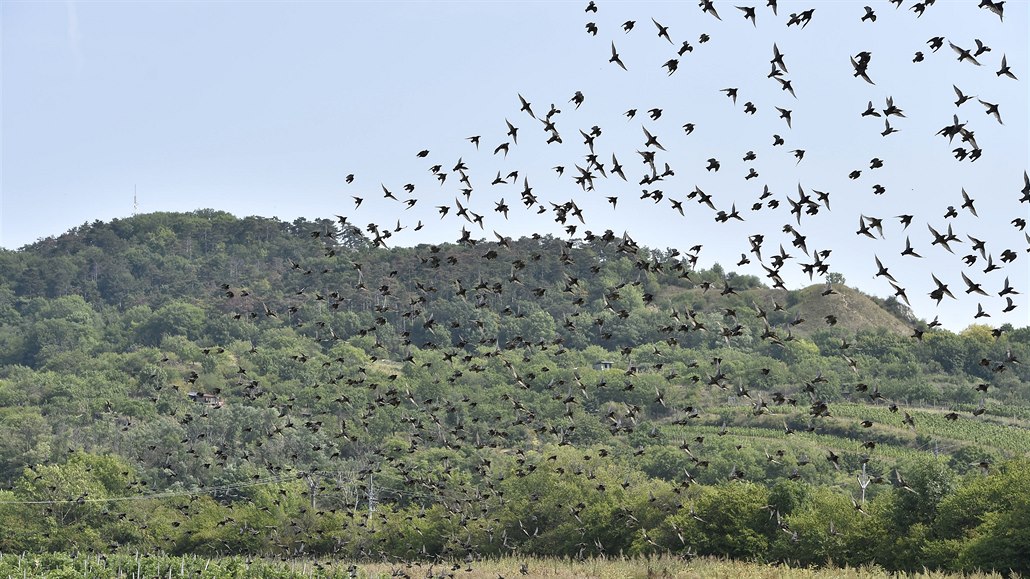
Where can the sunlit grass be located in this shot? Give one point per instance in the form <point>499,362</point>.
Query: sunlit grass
<point>139,566</point>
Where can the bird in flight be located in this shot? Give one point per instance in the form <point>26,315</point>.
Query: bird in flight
<point>615,58</point>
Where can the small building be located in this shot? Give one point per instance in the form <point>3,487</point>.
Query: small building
<point>209,400</point>
<point>603,365</point>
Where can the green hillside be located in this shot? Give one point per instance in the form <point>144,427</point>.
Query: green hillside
<point>201,384</point>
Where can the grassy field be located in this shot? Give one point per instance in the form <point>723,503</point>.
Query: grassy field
<point>158,566</point>
<point>1004,435</point>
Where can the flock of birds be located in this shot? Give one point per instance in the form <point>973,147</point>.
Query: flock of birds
<point>479,197</point>
<point>604,173</point>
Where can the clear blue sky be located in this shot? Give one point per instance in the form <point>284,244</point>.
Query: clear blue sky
<point>264,108</point>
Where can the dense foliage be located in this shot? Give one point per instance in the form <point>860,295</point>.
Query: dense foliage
<point>530,396</point>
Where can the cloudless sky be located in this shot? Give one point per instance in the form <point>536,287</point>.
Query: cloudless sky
<point>263,108</point>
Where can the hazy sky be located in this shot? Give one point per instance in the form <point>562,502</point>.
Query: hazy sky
<point>264,108</point>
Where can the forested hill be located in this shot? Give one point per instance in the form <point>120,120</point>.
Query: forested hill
<point>159,259</point>
<point>187,382</point>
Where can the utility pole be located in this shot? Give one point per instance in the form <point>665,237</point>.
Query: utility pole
<point>863,481</point>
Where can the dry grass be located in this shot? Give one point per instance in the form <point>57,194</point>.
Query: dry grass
<point>125,566</point>
<point>644,568</point>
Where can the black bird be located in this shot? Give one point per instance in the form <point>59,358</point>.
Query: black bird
<point>942,240</point>
<point>992,109</point>
<point>723,217</point>
<point>1005,69</point>
<point>980,47</point>
<point>870,111</point>
<point>971,286</point>
<point>663,31</point>
<point>996,7</point>
<point>1007,289</point>
<point>964,54</point>
<point>861,69</point>
<point>941,291</point>
<point>513,132</point>
<point>651,140</point>
<point>525,105</point>
<point>785,85</point>
<point>961,97</point>
<point>967,203</point>
<point>980,313</point>
<point>869,15</point>
<point>908,249</point>
<point>978,245</point>
<point>777,59</point>
<point>863,228</point>
<point>900,292</point>
<point>882,271</point>
<point>708,7</point>
<point>892,109</point>
<point>749,13</point>
<point>785,114</point>
<point>617,168</point>
<point>833,459</point>
<point>801,19</point>
<point>990,264</point>
<point>615,58</point>
<point>269,312</point>
<point>806,17</point>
